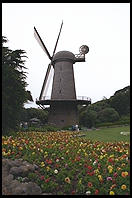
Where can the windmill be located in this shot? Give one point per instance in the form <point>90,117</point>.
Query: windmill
<point>63,102</point>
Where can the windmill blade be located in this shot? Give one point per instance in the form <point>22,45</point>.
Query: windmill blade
<point>41,43</point>
<point>47,86</point>
<point>45,81</point>
<point>57,40</point>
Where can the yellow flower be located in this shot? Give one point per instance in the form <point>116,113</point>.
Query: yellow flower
<point>20,148</point>
<point>85,154</point>
<point>67,180</point>
<point>4,153</point>
<point>123,164</point>
<point>96,171</point>
<point>48,168</point>
<point>101,156</point>
<point>110,170</point>
<point>80,181</point>
<point>41,150</point>
<point>110,167</point>
<point>111,156</point>
<point>126,173</point>
<point>123,187</point>
<point>111,193</point>
<point>42,164</point>
<point>100,178</point>
<point>33,153</point>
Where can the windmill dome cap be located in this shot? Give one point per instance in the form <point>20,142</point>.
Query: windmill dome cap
<point>64,55</point>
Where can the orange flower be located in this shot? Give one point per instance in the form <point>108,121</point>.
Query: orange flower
<point>124,174</point>
<point>113,186</point>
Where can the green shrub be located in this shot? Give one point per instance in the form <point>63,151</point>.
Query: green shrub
<point>42,129</point>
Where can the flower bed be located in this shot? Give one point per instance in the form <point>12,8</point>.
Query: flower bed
<point>72,165</point>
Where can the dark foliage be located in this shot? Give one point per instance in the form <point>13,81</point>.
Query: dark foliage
<point>14,93</point>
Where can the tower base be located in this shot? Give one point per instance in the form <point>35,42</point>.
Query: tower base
<point>62,115</point>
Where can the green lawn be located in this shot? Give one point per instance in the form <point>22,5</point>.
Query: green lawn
<point>108,134</point>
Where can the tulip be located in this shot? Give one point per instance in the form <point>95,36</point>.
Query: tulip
<point>55,171</point>
<point>42,177</point>
<point>96,192</point>
<point>111,193</point>
<point>123,187</point>
<point>124,174</point>
<point>90,184</point>
<point>109,178</point>
<point>47,180</point>
<point>115,174</point>
<point>88,192</point>
<point>110,170</point>
<point>67,180</point>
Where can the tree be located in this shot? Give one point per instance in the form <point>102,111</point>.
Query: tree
<point>108,115</point>
<point>100,105</point>
<point>30,113</point>
<point>88,118</point>
<point>120,101</point>
<point>14,93</point>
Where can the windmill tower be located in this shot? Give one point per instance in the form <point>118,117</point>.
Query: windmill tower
<point>63,102</point>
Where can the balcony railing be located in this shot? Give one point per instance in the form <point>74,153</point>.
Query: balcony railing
<point>77,98</point>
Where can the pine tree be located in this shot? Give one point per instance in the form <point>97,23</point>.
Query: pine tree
<point>14,93</point>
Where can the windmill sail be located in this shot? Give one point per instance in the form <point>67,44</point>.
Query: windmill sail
<point>41,43</point>
<point>57,40</point>
<point>48,83</point>
<point>45,81</point>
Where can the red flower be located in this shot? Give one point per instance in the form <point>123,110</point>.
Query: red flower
<point>26,141</point>
<point>56,165</point>
<point>42,177</point>
<point>73,192</point>
<point>78,158</point>
<point>91,173</point>
<point>110,160</point>
<point>89,167</point>
<point>113,181</point>
<point>99,165</point>
<point>115,174</point>
<point>90,184</point>
<point>96,192</point>
<point>49,161</point>
<point>47,180</point>
<point>85,165</point>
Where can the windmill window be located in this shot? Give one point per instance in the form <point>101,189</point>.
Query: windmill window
<point>60,91</point>
<point>62,120</point>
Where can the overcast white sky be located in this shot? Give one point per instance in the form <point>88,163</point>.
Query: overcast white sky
<point>104,27</point>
